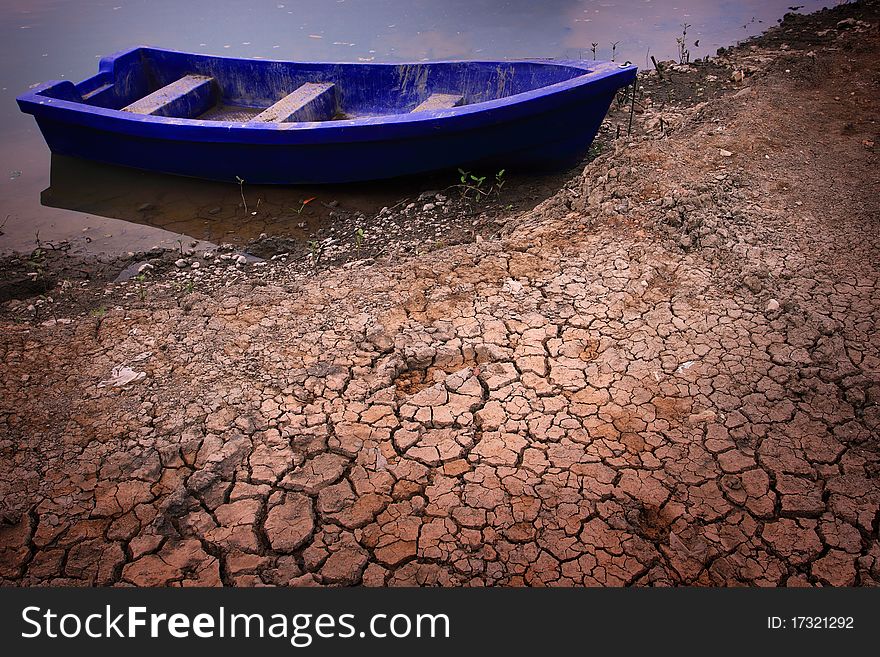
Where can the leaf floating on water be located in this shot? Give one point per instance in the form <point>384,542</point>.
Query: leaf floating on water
<point>315,36</point>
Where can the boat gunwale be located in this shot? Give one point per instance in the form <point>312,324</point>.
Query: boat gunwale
<point>594,71</point>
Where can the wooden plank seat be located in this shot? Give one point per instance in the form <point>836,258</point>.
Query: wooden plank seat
<point>187,97</point>
<point>313,101</point>
<point>439,102</point>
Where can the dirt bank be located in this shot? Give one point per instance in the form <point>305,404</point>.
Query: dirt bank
<point>666,373</point>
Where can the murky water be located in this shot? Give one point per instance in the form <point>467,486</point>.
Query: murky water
<point>112,210</point>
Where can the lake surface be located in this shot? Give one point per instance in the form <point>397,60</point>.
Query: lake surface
<point>102,209</point>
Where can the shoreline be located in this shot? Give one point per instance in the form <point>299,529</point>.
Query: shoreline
<point>349,237</point>
<point>667,372</point>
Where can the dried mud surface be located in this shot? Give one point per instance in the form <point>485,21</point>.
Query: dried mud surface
<point>668,373</point>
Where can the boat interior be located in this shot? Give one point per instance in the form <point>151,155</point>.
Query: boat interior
<point>157,82</point>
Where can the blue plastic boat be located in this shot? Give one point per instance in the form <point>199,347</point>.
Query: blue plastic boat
<point>283,122</point>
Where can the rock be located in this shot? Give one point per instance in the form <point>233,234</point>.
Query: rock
<point>181,562</point>
<point>289,524</point>
<point>837,568</point>
<point>14,549</point>
<point>753,283</point>
<point>513,286</point>
<point>122,376</point>
<point>344,567</point>
<point>799,543</point>
<point>427,207</point>
<point>725,153</point>
<point>181,263</point>
<point>316,473</point>
<point>772,306</point>
<point>702,417</point>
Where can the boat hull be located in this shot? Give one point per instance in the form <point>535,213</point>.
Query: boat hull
<point>540,130</point>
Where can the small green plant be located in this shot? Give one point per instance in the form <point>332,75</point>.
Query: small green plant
<point>499,181</point>
<point>99,312</point>
<point>303,204</point>
<point>183,288</point>
<point>37,260</point>
<point>241,191</point>
<point>142,292</point>
<point>468,178</point>
<point>315,252</point>
<point>39,253</point>
<point>684,55</point>
<point>358,241</point>
<point>595,151</point>
<point>473,186</point>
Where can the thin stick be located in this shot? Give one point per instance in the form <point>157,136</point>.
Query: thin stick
<point>657,66</point>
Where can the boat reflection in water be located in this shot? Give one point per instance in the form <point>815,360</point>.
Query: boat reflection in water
<point>212,211</point>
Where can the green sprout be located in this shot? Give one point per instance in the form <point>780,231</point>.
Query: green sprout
<point>358,241</point>
<point>304,204</point>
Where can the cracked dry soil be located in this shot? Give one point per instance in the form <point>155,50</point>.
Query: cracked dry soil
<point>668,373</point>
